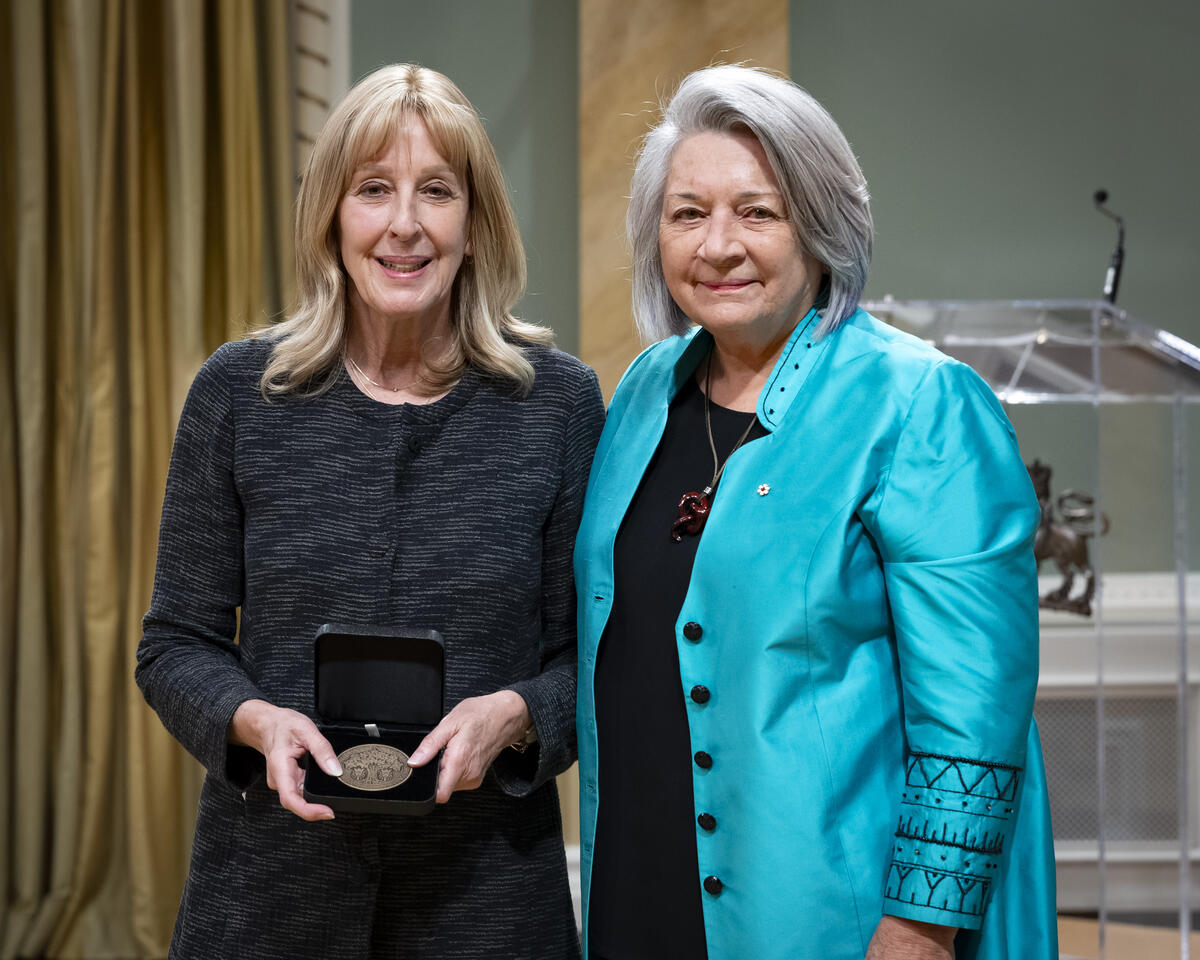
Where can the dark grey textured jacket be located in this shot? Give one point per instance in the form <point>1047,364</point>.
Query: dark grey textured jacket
<point>458,516</point>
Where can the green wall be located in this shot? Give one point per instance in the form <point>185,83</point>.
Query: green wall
<point>516,61</point>
<point>983,130</point>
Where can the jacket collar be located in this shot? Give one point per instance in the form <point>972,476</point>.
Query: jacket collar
<point>791,370</point>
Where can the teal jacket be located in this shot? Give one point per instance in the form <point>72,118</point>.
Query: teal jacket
<point>867,595</point>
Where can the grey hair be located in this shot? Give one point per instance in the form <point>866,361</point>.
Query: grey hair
<point>824,190</point>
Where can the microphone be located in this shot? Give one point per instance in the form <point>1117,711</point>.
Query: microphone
<point>1112,278</point>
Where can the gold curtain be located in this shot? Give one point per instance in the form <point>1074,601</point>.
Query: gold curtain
<point>146,159</point>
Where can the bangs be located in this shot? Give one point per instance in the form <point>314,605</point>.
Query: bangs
<point>373,131</point>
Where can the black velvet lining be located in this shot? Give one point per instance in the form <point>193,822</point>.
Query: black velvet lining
<point>378,675</point>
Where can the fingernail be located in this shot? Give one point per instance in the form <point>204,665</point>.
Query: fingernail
<point>334,769</point>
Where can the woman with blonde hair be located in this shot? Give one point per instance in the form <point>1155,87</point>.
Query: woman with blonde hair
<point>400,450</point>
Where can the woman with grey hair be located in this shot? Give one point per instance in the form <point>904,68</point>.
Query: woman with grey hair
<point>401,455</point>
<point>807,594</point>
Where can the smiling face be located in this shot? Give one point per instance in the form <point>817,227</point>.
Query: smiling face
<point>402,226</point>
<point>730,256</point>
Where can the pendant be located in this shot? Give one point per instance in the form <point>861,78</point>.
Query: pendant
<point>693,511</point>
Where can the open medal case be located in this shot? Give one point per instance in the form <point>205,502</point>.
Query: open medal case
<point>376,687</point>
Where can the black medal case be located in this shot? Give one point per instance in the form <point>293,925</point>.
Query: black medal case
<point>376,685</point>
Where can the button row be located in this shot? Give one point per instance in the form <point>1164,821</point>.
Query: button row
<point>700,694</point>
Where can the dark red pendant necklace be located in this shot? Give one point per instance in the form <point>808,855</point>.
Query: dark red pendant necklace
<point>694,506</point>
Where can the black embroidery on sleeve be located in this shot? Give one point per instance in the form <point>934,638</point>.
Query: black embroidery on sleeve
<point>987,844</point>
<point>941,889</point>
<point>951,833</point>
<point>975,778</point>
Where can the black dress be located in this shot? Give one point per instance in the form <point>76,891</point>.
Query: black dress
<point>458,516</point>
<point>645,890</point>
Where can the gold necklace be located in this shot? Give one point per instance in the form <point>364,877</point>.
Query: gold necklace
<point>375,383</point>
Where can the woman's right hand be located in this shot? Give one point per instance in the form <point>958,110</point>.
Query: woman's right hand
<point>283,737</point>
<point>897,938</point>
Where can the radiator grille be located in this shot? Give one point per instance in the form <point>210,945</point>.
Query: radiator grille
<point>1140,744</point>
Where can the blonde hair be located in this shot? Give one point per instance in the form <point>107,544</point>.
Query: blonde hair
<point>484,333</point>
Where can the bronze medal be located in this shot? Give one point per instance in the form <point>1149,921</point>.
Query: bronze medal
<point>374,766</point>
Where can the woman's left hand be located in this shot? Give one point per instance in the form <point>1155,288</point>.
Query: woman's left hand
<point>899,939</point>
<point>473,734</point>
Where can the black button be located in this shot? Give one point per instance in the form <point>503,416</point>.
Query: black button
<point>707,821</point>
<point>700,693</point>
<point>713,885</point>
<point>703,760</point>
<point>692,630</point>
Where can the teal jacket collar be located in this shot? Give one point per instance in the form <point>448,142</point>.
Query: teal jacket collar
<point>796,361</point>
